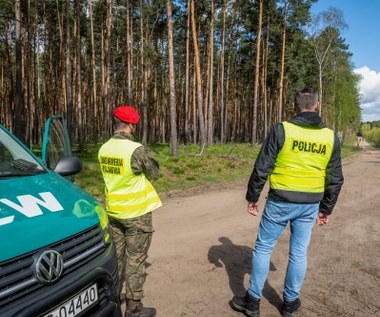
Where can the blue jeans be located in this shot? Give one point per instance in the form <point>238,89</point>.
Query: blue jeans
<point>274,220</point>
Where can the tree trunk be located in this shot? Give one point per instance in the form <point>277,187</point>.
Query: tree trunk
<point>187,78</point>
<point>281,83</point>
<point>79,125</point>
<point>210,130</point>
<point>222,102</point>
<point>173,110</point>
<point>18,118</point>
<point>320,87</point>
<point>194,106</point>
<point>28,77</point>
<point>93,66</point>
<point>257,71</point>
<point>202,132</point>
<point>68,74</point>
<point>62,76</point>
<point>36,84</point>
<point>106,75</point>
<point>144,79</point>
<point>264,79</point>
<point>129,36</point>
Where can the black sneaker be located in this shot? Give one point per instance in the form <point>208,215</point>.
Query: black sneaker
<point>248,305</point>
<point>288,308</point>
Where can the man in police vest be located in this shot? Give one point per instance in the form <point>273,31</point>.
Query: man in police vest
<point>302,159</point>
<point>127,169</point>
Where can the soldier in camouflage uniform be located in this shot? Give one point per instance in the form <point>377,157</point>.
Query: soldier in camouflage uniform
<point>127,169</point>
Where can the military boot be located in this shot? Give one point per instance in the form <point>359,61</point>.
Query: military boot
<point>136,309</point>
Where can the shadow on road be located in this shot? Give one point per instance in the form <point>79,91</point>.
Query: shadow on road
<point>237,261</point>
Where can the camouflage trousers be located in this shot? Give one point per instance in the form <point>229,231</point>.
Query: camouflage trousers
<point>132,238</point>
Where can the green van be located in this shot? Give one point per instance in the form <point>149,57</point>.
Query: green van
<point>57,258</point>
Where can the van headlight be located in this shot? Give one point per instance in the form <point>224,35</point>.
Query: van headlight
<point>104,223</point>
<point>83,208</point>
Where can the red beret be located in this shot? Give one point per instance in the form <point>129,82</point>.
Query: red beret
<point>127,114</point>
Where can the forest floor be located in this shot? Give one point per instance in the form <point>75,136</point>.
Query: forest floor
<point>201,251</point>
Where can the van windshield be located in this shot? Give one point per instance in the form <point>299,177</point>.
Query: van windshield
<point>15,160</point>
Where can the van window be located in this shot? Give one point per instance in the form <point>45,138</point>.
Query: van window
<point>15,160</point>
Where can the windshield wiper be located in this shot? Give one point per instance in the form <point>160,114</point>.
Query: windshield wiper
<point>26,166</point>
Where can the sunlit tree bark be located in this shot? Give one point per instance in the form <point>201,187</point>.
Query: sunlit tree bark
<point>173,111</point>
<point>202,132</point>
<point>257,74</point>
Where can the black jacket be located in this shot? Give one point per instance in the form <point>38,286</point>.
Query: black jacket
<point>265,163</point>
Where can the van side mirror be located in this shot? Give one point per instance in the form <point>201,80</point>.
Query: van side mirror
<point>68,165</point>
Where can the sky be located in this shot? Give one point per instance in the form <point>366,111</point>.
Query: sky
<point>363,38</point>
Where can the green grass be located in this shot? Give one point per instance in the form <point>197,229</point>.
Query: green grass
<point>219,164</point>
<point>348,150</point>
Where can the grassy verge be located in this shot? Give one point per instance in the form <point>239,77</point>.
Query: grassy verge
<point>219,164</point>
<point>348,150</point>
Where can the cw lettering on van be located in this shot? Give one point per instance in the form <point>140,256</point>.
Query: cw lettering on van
<point>30,206</point>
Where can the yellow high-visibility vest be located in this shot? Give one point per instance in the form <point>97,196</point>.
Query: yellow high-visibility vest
<point>127,195</point>
<point>302,161</point>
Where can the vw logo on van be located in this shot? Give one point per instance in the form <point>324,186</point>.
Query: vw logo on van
<point>49,266</point>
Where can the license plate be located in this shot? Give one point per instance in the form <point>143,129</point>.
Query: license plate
<point>74,306</point>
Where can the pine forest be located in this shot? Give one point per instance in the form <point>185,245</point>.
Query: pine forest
<point>202,72</point>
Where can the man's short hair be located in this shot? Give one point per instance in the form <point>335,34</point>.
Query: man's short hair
<point>118,123</point>
<point>306,99</point>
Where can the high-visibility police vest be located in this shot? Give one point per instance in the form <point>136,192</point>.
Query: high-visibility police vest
<point>127,195</point>
<point>301,163</point>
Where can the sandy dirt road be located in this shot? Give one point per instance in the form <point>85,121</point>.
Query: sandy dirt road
<point>201,252</point>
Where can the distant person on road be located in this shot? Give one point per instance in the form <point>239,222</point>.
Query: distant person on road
<point>127,169</point>
<point>359,138</point>
<point>302,159</point>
